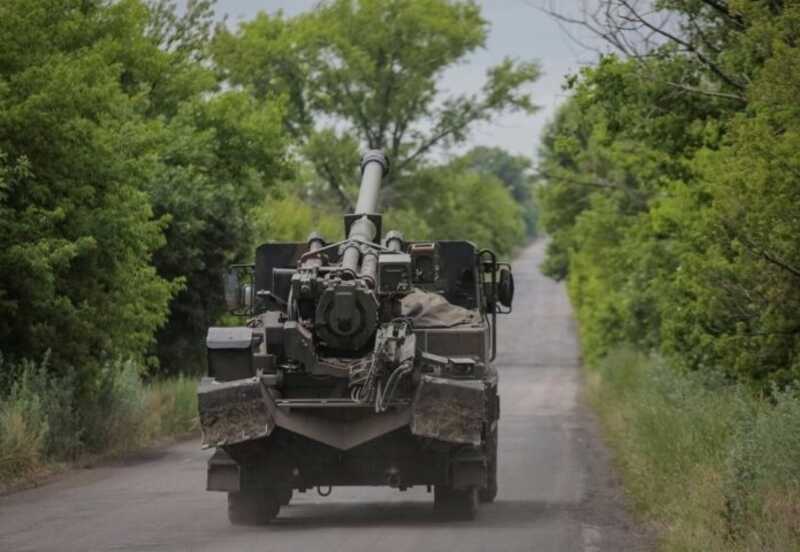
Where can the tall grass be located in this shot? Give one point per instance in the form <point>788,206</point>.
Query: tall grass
<point>712,465</point>
<point>172,407</point>
<point>43,423</point>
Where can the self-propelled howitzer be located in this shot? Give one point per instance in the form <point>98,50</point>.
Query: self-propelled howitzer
<point>362,362</point>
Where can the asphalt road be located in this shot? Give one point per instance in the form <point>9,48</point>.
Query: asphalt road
<point>556,489</point>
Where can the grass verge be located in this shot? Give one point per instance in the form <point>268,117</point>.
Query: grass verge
<point>43,427</point>
<point>712,466</point>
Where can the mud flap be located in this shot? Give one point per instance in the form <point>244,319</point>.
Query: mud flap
<point>223,473</point>
<point>449,410</point>
<point>232,412</point>
<point>468,472</point>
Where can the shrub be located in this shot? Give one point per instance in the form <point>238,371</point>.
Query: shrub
<point>35,382</point>
<point>714,466</point>
<point>23,429</point>
<point>42,422</point>
<point>763,478</point>
<point>34,418</point>
<point>172,407</point>
<point>115,420</point>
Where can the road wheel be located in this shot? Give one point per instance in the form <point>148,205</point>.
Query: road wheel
<point>461,504</point>
<point>441,498</point>
<point>285,497</point>
<point>252,507</point>
<point>489,493</point>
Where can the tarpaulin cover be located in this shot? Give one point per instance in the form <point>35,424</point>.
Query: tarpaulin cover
<point>431,310</point>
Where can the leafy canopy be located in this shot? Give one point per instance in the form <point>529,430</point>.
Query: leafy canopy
<point>365,73</point>
<point>673,209</point>
<point>77,232</point>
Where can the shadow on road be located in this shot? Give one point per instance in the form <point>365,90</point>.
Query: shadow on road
<point>501,514</point>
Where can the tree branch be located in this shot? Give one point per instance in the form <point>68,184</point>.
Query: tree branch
<point>622,24</point>
<point>333,182</point>
<point>689,46</point>
<point>695,90</point>
<point>722,8</point>
<point>764,254</point>
<point>435,139</point>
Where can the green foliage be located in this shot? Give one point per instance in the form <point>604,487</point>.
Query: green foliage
<point>126,179</point>
<point>457,204</point>
<point>605,167</point>
<point>217,156</point>
<point>171,407</point>
<point>514,171</point>
<point>762,487</point>
<point>114,421</point>
<point>34,386</point>
<point>742,276</point>
<point>673,213</point>
<point>669,190</point>
<point>76,231</point>
<point>42,423</point>
<point>212,155</point>
<point>409,222</point>
<point>285,216</point>
<point>711,464</point>
<point>370,69</point>
<point>22,432</point>
<point>24,428</point>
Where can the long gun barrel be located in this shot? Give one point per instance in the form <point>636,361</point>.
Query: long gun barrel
<point>373,167</point>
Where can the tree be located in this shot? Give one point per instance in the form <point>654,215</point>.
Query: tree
<point>673,210</point>
<point>740,287</point>
<point>514,171</point>
<point>611,159</point>
<point>216,159</point>
<point>214,154</point>
<point>128,178</point>
<point>449,203</point>
<point>700,32</point>
<point>369,70</point>
<point>76,230</point>
<point>290,212</point>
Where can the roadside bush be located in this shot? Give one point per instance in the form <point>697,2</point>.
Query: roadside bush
<point>23,430</point>
<point>711,465</point>
<point>172,407</point>
<point>35,383</point>
<point>42,423</point>
<point>35,420</point>
<point>763,478</point>
<point>115,420</point>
